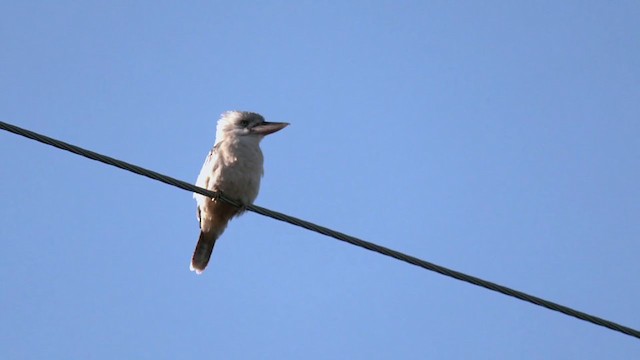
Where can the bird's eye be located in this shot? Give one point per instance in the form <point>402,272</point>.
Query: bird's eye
<point>244,123</point>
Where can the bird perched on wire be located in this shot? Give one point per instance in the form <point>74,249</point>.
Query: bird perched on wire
<point>234,167</point>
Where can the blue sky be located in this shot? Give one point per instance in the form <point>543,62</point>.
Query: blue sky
<point>501,139</point>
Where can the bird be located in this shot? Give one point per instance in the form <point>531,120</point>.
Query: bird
<point>234,167</point>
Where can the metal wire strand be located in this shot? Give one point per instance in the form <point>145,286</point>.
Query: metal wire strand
<point>325,231</point>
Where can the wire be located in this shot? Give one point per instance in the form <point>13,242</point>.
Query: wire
<point>324,231</point>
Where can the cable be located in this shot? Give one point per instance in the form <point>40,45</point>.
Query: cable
<point>324,231</point>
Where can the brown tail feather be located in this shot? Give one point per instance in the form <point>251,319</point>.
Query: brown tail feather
<point>203,251</point>
<point>214,223</point>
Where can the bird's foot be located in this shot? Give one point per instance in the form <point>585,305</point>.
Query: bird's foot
<point>216,196</point>
<point>242,208</point>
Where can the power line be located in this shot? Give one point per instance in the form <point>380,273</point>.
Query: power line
<point>324,231</point>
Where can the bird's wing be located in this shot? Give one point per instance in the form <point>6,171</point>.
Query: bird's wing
<point>205,178</point>
<point>207,170</point>
<point>213,224</point>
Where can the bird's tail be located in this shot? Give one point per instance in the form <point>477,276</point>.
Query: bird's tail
<point>212,225</point>
<point>203,250</point>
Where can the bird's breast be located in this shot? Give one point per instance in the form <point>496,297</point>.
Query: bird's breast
<point>240,173</point>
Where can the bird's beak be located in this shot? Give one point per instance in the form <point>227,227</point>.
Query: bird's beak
<point>267,128</point>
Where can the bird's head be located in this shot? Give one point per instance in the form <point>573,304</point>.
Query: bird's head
<point>245,124</point>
